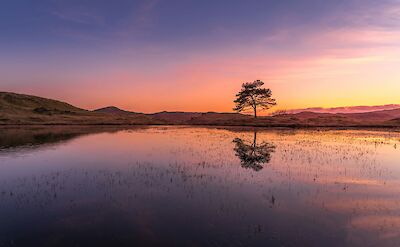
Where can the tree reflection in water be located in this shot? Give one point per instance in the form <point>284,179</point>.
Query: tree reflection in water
<point>251,155</point>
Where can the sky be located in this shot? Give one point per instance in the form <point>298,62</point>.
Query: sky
<point>193,55</point>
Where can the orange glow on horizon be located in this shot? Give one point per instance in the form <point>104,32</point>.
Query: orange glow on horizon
<point>342,68</point>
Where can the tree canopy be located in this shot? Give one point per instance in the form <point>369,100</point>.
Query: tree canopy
<point>252,96</point>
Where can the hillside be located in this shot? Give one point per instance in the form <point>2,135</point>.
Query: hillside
<point>13,103</point>
<point>114,110</point>
<point>348,109</point>
<point>376,118</point>
<point>26,109</point>
<point>175,117</point>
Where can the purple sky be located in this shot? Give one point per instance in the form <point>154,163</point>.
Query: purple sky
<point>153,55</point>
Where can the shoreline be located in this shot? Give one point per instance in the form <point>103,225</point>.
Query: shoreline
<point>294,126</point>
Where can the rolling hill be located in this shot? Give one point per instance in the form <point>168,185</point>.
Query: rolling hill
<point>28,109</point>
<point>17,109</point>
<point>115,110</point>
<point>348,109</point>
<point>19,103</point>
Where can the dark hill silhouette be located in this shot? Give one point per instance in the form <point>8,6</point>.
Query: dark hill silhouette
<point>347,109</point>
<point>26,109</point>
<point>375,115</point>
<point>175,117</point>
<point>114,110</point>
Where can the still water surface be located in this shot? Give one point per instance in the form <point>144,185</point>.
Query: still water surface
<point>185,186</point>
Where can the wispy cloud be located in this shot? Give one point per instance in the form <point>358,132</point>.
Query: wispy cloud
<point>144,14</point>
<point>79,17</point>
<point>311,53</point>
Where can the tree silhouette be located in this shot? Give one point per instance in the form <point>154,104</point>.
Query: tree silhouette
<point>252,95</point>
<point>251,155</point>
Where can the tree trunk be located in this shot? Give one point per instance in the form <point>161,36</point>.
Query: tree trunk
<point>255,112</point>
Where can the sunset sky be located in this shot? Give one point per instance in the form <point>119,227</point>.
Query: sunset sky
<point>154,55</point>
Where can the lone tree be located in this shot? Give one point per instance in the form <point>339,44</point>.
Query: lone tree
<point>252,95</point>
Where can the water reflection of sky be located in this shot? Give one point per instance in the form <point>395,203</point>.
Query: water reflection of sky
<point>188,186</point>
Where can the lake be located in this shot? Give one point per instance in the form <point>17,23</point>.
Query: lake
<point>198,186</point>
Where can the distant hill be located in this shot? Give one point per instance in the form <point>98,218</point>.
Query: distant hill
<point>26,109</point>
<point>204,118</point>
<point>114,110</point>
<point>347,109</point>
<point>175,117</point>
<point>376,118</point>
<point>384,115</point>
